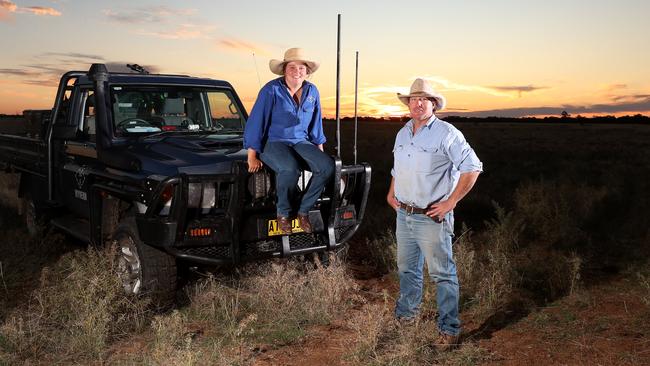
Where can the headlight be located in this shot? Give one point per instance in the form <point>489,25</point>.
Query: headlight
<point>201,195</point>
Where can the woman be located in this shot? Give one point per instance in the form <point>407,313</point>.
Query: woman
<point>284,127</point>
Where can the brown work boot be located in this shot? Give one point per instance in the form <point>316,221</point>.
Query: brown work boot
<point>446,342</point>
<point>304,223</point>
<point>284,225</point>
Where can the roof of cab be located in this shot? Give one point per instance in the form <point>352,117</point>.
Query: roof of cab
<point>143,79</point>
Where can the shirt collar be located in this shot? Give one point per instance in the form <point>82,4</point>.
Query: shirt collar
<point>430,122</point>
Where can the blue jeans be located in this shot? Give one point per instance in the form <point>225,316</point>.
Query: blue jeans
<point>419,238</point>
<point>283,159</point>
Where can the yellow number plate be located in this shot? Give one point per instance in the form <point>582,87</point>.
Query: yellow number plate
<point>275,230</point>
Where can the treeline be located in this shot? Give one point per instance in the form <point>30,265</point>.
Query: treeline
<point>634,119</point>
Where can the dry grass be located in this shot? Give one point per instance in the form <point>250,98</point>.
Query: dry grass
<point>381,251</point>
<point>381,340</point>
<point>77,310</point>
<point>271,304</point>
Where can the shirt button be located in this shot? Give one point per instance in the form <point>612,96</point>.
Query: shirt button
<point>409,155</point>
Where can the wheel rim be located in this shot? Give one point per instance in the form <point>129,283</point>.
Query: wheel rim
<point>129,266</point>
<point>30,217</point>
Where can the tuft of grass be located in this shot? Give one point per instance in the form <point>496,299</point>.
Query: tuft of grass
<point>371,326</point>
<point>645,283</point>
<point>381,252</point>
<point>272,304</point>
<point>77,310</point>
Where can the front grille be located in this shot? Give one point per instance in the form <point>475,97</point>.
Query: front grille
<point>342,231</point>
<point>303,241</point>
<point>262,248</point>
<point>209,252</point>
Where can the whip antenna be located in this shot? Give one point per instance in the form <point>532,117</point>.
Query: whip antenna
<point>356,88</point>
<point>338,87</point>
<point>257,71</point>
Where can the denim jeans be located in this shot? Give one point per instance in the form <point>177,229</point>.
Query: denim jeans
<point>283,159</point>
<point>420,239</point>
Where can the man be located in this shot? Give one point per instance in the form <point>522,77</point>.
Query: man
<point>434,168</point>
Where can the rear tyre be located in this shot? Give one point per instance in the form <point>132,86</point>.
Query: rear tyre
<point>34,220</point>
<point>144,270</point>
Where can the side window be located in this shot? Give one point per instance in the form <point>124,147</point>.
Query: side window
<point>224,112</point>
<point>88,125</point>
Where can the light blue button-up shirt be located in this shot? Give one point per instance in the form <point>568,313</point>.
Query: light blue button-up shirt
<point>277,117</point>
<point>428,164</point>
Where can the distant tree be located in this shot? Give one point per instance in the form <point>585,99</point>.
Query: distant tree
<point>565,114</point>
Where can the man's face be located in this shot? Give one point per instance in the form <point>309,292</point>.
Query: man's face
<point>421,108</point>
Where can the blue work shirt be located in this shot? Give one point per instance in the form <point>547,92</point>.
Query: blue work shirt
<point>277,117</point>
<point>428,164</point>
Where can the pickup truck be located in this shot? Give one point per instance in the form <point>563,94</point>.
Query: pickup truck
<point>154,164</point>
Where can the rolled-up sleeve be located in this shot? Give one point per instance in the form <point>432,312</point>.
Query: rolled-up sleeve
<point>258,120</point>
<point>316,134</point>
<point>461,154</point>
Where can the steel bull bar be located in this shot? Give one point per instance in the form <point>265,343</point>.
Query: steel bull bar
<point>346,208</point>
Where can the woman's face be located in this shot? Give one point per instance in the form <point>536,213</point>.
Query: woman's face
<point>295,71</point>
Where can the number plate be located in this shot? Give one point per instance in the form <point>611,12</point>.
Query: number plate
<point>275,230</point>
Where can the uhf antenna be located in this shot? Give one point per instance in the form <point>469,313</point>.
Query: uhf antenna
<point>356,88</point>
<point>338,87</point>
<point>257,71</point>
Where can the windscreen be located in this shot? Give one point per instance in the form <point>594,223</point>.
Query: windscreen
<point>146,109</point>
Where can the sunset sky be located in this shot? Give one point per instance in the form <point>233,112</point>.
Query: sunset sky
<point>504,58</point>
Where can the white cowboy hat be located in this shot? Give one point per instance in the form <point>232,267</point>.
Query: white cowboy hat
<point>292,54</point>
<point>422,88</point>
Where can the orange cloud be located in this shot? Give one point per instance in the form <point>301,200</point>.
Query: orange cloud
<point>8,7</point>
<point>242,46</point>
<point>40,10</point>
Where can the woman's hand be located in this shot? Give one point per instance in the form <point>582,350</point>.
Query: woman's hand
<point>254,164</point>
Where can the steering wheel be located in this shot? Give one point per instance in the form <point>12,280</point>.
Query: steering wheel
<point>134,122</point>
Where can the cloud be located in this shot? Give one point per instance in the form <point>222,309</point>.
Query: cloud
<point>240,45</point>
<point>157,14</point>
<point>16,72</point>
<point>8,7</point>
<point>185,31</point>
<point>518,89</point>
<point>40,10</point>
<point>641,103</point>
<point>612,87</point>
<point>442,84</point>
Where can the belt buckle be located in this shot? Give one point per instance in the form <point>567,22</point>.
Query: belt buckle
<point>411,210</point>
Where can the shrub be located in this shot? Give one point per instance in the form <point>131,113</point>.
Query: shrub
<point>78,309</point>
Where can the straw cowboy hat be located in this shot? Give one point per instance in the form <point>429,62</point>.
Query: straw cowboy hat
<point>422,88</point>
<point>292,54</point>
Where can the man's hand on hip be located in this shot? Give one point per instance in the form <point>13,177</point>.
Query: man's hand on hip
<point>392,201</point>
<point>440,209</point>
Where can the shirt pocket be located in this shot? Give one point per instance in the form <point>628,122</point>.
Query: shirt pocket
<point>428,159</point>
<point>308,107</point>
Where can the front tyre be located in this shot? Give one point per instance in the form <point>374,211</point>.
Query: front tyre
<point>144,270</point>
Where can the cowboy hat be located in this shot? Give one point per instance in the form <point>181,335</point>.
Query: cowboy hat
<point>422,88</point>
<point>292,54</point>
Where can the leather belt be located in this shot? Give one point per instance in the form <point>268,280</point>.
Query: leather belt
<point>410,210</point>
